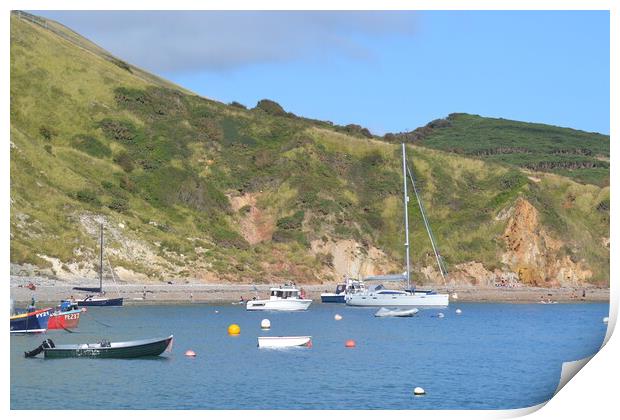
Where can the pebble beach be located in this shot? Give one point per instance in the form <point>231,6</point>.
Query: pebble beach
<point>52,291</point>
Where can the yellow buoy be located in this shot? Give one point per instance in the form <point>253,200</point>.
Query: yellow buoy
<point>233,329</point>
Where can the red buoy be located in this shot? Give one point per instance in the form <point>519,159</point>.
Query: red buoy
<point>350,343</point>
<point>190,353</point>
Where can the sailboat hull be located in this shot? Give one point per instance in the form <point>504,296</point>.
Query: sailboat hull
<point>100,302</point>
<point>389,300</point>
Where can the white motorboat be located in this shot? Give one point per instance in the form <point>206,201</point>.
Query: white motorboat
<point>283,298</point>
<point>379,295</point>
<point>395,312</point>
<point>281,342</point>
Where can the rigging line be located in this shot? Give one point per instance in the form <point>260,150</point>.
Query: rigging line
<point>442,269</point>
<point>118,290</point>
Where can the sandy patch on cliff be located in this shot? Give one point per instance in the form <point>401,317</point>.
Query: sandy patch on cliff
<point>256,225</point>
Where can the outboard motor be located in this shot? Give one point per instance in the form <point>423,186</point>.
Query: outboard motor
<point>47,344</point>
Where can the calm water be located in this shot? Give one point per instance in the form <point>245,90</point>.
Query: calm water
<point>491,356</point>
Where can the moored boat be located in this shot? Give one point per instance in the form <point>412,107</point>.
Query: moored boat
<point>350,286</point>
<point>283,298</point>
<point>92,300</point>
<point>67,315</point>
<point>379,295</point>
<point>104,349</point>
<point>396,312</point>
<point>33,321</point>
<point>281,342</point>
<point>100,300</point>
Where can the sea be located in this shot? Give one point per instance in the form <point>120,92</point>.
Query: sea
<point>491,356</point>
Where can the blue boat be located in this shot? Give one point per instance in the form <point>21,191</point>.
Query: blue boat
<point>92,300</point>
<point>337,297</point>
<point>34,321</point>
<point>99,300</point>
<point>350,286</point>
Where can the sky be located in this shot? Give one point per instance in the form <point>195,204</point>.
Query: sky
<point>387,71</point>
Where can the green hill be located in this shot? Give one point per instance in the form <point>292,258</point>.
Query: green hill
<point>576,154</point>
<point>190,188</point>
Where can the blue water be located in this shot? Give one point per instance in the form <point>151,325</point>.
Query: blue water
<point>493,356</point>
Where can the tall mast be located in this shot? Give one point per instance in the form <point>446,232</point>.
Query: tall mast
<point>101,257</point>
<point>405,201</point>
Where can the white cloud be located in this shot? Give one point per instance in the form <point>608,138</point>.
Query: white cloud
<point>183,41</point>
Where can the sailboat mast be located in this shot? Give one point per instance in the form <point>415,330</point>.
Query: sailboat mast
<point>405,202</point>
<point>101,257</point>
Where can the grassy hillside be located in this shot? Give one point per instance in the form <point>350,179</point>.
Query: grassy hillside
<point>576,154</point>
<point>193,188</point>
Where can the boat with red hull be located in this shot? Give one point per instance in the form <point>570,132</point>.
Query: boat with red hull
<point>67,315</point>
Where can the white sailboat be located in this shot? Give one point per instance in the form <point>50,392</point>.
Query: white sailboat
<point>378,295</point>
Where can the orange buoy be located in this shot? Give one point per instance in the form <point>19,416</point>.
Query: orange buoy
<point>190,353</point>
<point>350,343</point>
<point>233,329</point>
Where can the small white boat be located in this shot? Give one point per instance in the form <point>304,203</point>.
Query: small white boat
<point>385,312</point>
<point>283,298</point>
<point>281,342</point>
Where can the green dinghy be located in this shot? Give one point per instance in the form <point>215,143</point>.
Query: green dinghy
<point>104,349</point>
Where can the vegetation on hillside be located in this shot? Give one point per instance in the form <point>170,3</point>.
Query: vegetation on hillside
<point>90,137</point>
<point>576,154</point>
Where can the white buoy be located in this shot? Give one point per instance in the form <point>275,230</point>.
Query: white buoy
<point>440,315</point>
<point>217,312</point>
<point>458,312</point>
<point>455,296</point>
<point>605,320</point>
<point>418,391</point>
<point>337,317</point>
<point>265,324</point>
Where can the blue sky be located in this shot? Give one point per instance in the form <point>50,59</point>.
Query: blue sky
<point>388,71</point>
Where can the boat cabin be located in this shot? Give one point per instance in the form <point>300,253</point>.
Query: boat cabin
<point>381,290</point>
<point>288,291</point>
